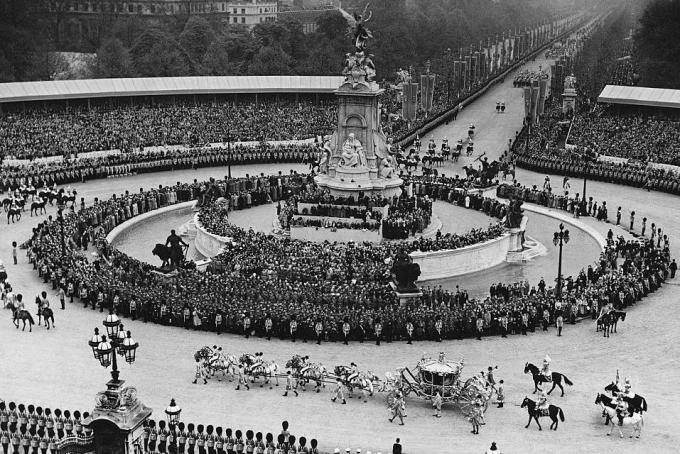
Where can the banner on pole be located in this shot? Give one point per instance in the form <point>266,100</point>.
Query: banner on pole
<point>409,101</point>
<point>427,91</point>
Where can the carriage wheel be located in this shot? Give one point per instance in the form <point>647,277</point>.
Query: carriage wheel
<point>465,400</point>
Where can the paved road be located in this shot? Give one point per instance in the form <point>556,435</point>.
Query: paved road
<point>55,368</point>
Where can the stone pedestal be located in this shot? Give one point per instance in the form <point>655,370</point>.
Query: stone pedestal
<point>358,114</point>
<point>405,297</point>
<point>117,420</point>
<point>569,100</point>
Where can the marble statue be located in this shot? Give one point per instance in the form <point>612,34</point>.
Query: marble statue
<point>353,154</point>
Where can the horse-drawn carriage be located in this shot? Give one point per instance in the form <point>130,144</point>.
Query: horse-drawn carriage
<point>441,376</point>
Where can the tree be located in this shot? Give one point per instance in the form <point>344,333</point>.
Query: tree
<point>113,60</point>
<point>216,59</point>
<point>23,40</point>
<point>657,44</point>
<point>196,37</point>
<point>271,61</point>
<point>156,53</point>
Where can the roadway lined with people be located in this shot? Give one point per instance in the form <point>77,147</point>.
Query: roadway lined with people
<point>641,348</point>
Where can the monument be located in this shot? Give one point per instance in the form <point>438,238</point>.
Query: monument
<point>569,95</point>
<point>357,158</point>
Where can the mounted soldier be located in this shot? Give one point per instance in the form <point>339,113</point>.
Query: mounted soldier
<point>545,370</point>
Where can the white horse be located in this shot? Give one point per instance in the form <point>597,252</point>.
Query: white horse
<point>636,421</point>
<point>227,364</point>
<point>264,369</point>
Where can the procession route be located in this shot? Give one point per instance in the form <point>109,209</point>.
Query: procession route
<point>55,368</point>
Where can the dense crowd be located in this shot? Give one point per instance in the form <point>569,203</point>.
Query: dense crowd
<point>540,151</point>
<point>38,133</point>
<point>260,277</point>
<point>628,136</point>
<point>409,216</point>
<point>39,175</point>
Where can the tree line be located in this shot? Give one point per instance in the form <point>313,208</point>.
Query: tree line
<point>406,32</point>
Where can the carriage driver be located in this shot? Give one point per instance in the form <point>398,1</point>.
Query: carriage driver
<point>545,371</point>
<point>354,373</point>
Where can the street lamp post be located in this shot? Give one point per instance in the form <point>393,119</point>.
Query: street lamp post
<point>560,238</point>
<point>119,342</point>
<point>173,411</point>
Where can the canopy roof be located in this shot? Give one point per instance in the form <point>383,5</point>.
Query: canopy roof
<point>154,86</point>
<point>640,96</point>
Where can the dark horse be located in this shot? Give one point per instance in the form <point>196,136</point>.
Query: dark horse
<point>607,323</point>
<point>539,378</point>
<point>14,214</point>
<point>48,315</point>
<point>167,255</point>
<point>553,411</point>
<point>38,207</point>
<point>24,316</point>
<point>636,404</point>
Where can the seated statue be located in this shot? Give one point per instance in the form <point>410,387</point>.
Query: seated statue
<point>353,154</point>
<point>386,167</point>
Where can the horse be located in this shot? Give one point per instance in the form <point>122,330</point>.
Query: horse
<point>636,404</point>
<point>539,378</point>
<point>616,316</point>
<point>256,367</point>
<point>23,315</point>
<point>363,381</point>
<point>534,413</point>
<point>507,170</point>
<point>167,255</point>
<point>38,208</point>
<point>48,314</point>
<point>471,172</point>
<point>635,420</point>
<point>227,364</point>
<point>14,214</point>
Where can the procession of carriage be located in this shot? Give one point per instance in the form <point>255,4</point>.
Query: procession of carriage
<point>428,380</point>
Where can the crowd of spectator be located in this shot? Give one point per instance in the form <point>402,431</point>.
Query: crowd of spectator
<point>408,217</point>
<point>630,136</point>
<point>40,174</point>
<point>38,133</point>
<point>542,151</point>
<point>262,276</point>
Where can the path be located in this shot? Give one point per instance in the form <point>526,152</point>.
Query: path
<point>56,367</point>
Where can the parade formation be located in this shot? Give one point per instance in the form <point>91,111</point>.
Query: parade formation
<point>324,330</point>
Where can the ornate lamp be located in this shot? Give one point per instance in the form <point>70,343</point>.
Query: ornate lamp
<point>94,343</point>
<point>112,323</point>
<point>128,348</point>
<point>120,338</point>
<point>104,352</point>
<point>173,411</point>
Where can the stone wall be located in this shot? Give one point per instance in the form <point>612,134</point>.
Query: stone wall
<point>469,259</point>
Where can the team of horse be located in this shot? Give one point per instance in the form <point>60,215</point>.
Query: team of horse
<point>15,205</point>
